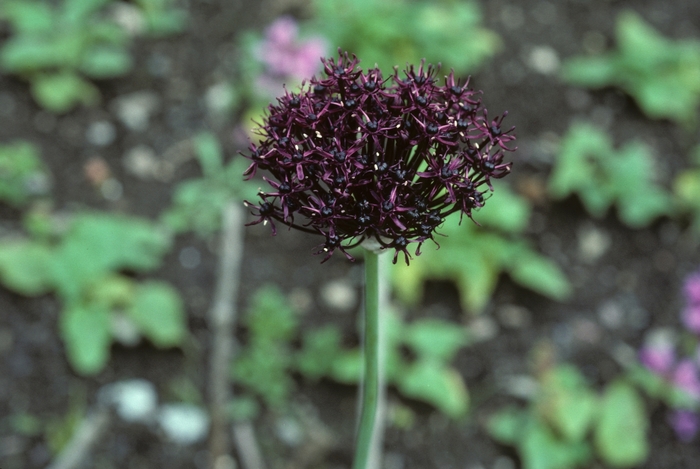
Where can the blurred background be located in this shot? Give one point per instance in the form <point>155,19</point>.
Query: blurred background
<point>561,332</point>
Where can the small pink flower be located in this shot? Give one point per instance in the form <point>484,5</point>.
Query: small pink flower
<point>285,55</point>
<point>685,423</point>
<point>691,318</point>
<point>691,289</point>
<point>659,357</point>
<point>283,31</point>
<point>685,376</point>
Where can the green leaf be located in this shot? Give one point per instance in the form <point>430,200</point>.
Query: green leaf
<point>507,425</point>
<point>28,17</point>
<point>320,348</point>
<point>540,274</point>
<point>159,313</point>
<point>504,211</point>
<point>76,12</point>
<point>112,291</point>
<point>62,91</point>
<point>434,339</point>
<point>209,153</point>
<point>663,76</point>
<point>162,18</point>
<point>591,72</point>
<point>686,189</point>
<point>86,334</point>
<point>432,382</point>
<point>197,205</point>
<point>589,166</point>
<point>567,403</point>
<point>269,315</point>
<point>99,243</point>
<point>620,433</point>
<point>574,170</point>
<point>20,170</point>
<point>28,55</point>
<point>446,32</point>
<point>263,368</point>
<point>347,367</point>
<point>474,257</point>
<point>106,62</point>
<point>166,23</point>
<point>541,449</point>
<point>25,267</point>
<point>638,40</point>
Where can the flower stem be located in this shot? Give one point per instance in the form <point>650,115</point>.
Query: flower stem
<point>372,373</point>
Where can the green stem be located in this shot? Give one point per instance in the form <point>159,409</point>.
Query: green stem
<point>371,373</point>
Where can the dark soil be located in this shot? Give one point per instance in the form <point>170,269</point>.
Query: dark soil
<point>632,287</point>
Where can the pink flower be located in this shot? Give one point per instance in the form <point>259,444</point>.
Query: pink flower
<point>283,31</point>
<point>285,55</point>
<point>685,423</point>
<point>685,376</point>
<point>691,318</point>
<point>659,357</point>
<point>691,289</point>
<point>691,313</point>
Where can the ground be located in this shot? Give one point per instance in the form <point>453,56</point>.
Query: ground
<point>631,286</point>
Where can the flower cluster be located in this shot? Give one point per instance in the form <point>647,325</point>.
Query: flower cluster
<point>362,157</point>
<point>659,355</point>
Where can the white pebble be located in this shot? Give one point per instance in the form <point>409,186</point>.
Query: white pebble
<point>134,110</point>
<point>544,60</point>
<point>134,400</point>
<point>183,424</point>
<point>101,133</point>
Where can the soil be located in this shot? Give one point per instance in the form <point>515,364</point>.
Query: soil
<point>633,287</point>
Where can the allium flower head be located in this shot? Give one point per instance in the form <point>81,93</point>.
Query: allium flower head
<point>359,157</point>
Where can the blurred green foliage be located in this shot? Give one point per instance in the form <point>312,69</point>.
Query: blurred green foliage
<point>475,256</point>
<point>22,173</point>
<point>567,423</point>
<point>59,46</point>
<point>589,166</point>
<point>82,264</point>
<point>83,258</point>
<point>396,32</point>
<point>661,389</point>
<point>686,189</point>
<point>427,377</point>
<point>264,366</point>
<point>60,429</point>
<point>162,17</point>
<point>198,203</point>
<point>662,75</point>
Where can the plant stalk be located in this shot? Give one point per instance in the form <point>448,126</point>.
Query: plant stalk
<point>371,382</point>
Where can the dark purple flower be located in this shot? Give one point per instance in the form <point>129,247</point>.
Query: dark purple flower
<point>359,157</point>
<point>685,423</point>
